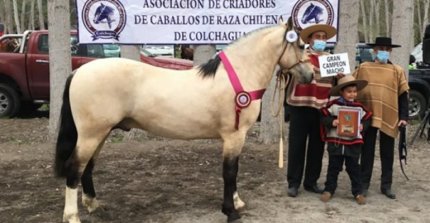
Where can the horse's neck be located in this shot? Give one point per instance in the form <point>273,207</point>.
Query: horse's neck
<point>255,59</point>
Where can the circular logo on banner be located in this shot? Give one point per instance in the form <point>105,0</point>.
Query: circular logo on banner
<point>309,12</point>
<point>104,19</point>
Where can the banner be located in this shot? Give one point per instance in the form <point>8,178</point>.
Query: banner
<point>193,21</point>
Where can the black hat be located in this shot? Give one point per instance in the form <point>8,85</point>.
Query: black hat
<point>383,41</point>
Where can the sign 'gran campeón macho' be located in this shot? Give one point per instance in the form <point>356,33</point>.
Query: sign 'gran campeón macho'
<point>189,21</point>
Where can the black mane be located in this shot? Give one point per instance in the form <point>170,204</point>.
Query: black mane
<point>209,69</point>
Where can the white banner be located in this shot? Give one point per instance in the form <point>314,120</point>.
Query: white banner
<point>192,21</point>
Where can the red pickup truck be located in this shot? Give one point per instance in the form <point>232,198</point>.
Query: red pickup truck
<point>24,67</point>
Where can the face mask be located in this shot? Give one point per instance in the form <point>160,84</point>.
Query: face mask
<point>383,56</point>
<point>319,45</point>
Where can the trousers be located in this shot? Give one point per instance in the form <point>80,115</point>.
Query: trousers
<point>335,165</point>
<point>386,149</point>
<point>304,143</point>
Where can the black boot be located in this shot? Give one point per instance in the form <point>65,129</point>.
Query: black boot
<point>388,193</point>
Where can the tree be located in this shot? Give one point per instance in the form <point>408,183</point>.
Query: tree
<point>16,17</point>
<point>8,17</point>
<point>403,14</point>
<point>348,29</point>
<point>41,18</point>
<point>269,125</point>
<point>59,58</point>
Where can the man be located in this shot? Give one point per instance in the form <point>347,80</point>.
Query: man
<point>303,104</point>
<point>386,96</point>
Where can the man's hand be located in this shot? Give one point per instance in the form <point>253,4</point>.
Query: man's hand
<point>340,75</point>
<point>402,123</point>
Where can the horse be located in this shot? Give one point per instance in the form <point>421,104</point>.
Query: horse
<point>104,12</point>
<point>219,99</point>
<point>312,12</point>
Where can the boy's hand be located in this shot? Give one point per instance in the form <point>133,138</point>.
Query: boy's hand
<point>335,123</point>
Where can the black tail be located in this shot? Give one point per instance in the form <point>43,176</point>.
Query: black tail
<point>67,135</point>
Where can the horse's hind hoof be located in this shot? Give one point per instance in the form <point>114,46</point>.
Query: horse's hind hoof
<point>233,217</point>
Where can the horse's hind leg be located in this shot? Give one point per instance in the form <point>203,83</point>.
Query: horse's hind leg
<point>89,194</point>
<point>86,147</point>
<point>88,191</point>
<point>232,148</point>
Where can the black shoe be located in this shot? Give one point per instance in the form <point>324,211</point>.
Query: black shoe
<point>314,189</point>
<point>389,193</point>
<point>293,191</point>
<point>365,192</point>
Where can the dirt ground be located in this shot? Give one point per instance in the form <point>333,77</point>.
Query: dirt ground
<point>152,179</point>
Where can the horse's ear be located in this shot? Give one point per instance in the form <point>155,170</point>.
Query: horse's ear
<point>290,23</point>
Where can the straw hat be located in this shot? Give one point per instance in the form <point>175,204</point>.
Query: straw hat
<point>346,81</point>
<point>383,41</point>
<point>307,32</point>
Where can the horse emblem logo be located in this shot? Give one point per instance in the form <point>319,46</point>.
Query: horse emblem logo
<point>309,12</point>
<point>104,19</point>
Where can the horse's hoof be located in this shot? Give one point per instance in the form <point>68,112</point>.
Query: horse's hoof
<point>233,217</point>
<point>90,203</point>
<point>71,218</point>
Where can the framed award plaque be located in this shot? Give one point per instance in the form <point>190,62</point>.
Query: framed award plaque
<point>349,121</point>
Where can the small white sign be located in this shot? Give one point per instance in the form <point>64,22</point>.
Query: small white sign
<point>331,65</point>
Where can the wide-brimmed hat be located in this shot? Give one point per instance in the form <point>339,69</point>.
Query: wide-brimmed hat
<point>307,32</point>
<point>383,41</point>
<point>346,81</point>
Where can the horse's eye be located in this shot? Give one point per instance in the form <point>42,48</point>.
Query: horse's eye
<point>302,47</point>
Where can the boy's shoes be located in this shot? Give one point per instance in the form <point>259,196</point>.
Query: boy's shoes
<point>360,199</point>
<point>325,196</point>
<point>293,191</point>
<point>314,189</point>
<point>389,193</point>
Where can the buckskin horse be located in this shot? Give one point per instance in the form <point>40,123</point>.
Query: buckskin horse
<point>219,99</point>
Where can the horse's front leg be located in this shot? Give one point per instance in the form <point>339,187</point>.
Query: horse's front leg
<point>231,151</point>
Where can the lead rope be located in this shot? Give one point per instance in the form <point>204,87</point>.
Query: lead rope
<point>280,88</point>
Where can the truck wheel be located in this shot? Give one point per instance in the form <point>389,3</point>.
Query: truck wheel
<point>9,101</point>
<point>417,104</point>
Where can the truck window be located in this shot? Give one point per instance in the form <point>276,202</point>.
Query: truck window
<point>10,45</point>
<point>43,45</point>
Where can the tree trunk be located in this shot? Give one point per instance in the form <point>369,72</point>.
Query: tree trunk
<point>348,29</point>
<point>31,24</point>
<point>59,58</point>
<point>16,16</point>
<point>377,18</point>
<point>425,18</point>
<point>418,15</point>
<point>41,18</point>
<point>269,125</point>
<point>23,13</point>
<point>387,17</point>
<point>371,20</point>
<point>364,17</point>
<point>403,14</point>
<point>8,14</point>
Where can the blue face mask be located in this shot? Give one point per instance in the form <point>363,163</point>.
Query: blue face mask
<point>319,45</point>
<point>383,56</point>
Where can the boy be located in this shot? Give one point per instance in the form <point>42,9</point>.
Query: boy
<point>344,146</point>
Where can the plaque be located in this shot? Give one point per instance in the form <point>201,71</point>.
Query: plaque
<point>349,121</point>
